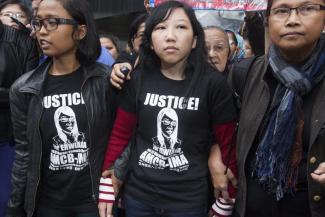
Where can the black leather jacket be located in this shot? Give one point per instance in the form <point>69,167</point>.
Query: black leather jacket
<point>26,107</point>
<point>18,54</point>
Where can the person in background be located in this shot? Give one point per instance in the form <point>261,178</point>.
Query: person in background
<point>14,9</point>
<point>281,129</point>
<point>111,43</point>
<point>62,114</point>
<point>217,47</point>
<point>236,44</point>
<point>18,54</point>
<point>248,48</point>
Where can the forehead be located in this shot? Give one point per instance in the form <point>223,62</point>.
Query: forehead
<point>214,34</point>
<point>12,7</point>
<point>295,3</point>
<point>52,8</point>
<point>177,14</point>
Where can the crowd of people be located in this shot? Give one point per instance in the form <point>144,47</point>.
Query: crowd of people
<point>185,121</point>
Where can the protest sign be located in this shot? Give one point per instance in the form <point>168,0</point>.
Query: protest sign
<point>243,5</point>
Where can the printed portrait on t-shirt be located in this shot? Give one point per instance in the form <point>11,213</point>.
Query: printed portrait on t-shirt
<point>70,151</point>
<point>166,152</point>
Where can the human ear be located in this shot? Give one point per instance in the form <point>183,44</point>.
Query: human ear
<point>80,32</point>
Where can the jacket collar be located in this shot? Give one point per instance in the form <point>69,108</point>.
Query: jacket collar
<point>34,82</point>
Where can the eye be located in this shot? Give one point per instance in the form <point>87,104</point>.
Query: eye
<point>308,8</point>
<point>182,27</point>
<point>160,27</point>
<point>281,11</point>
<point>51,22</point>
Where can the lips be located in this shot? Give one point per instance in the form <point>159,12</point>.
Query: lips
<point>171,49</point>
<point>44,43</point>
<point>292,34</point>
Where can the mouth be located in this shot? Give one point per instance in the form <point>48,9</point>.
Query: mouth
<point>171,49</point>
<point>292,34</point>
<point>44,43</point>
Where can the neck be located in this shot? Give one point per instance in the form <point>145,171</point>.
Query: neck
<point>296,56</point>
<point>174,71</point>
<point>64,65</point>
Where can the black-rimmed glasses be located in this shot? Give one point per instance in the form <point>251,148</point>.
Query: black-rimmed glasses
<point>51,24</point>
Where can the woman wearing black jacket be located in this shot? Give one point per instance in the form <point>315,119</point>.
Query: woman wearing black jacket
<point>61,115</point>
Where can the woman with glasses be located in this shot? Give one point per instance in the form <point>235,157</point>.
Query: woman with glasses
<point>12,12</point>
<point>281,134</point>
<point>61,114</point>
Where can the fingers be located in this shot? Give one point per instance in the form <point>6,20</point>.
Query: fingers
<point>109,210</point>
<point>319,174</point>
<point>102,208</point>
<point>115,84</point>
<point>107,173</point>
<point>232,178</point>
<point>225,194</point>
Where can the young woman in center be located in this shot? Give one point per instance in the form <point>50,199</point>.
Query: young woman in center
<point>173,102</point>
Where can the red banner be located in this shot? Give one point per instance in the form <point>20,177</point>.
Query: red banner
<point>244,5</point>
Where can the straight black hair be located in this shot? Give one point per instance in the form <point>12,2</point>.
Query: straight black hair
<point>195,63</point>
<point>88,49</point>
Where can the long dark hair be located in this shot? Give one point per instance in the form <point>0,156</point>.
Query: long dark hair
<point>195,63</point>
<point>88,49</point>
<point>134,28</point>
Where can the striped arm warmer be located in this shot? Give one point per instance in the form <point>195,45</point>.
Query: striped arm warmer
<point>106,190</point>
<point>222,208</point>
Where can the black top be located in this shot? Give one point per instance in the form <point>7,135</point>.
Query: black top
<point>169,161</point>
<point>66,182</point>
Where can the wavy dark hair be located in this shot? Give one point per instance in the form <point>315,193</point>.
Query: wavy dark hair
<point>195,63</point>
<point>88,49</point>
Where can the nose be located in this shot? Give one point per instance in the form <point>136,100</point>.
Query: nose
<point>170,34</point>
<point>293,18</point>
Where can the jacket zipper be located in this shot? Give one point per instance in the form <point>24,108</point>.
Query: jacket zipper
<point>90,143</point>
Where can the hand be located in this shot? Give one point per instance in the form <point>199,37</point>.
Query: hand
<point>319,174</point>
<point>117,77</point>
<point>217,170</point>
<point>105,209</point>
<point>115,181</point>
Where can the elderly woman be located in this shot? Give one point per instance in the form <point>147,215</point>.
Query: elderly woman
<point>281,135</point>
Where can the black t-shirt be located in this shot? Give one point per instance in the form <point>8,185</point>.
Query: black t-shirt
<point>66,182</point>
<point>169,161</point>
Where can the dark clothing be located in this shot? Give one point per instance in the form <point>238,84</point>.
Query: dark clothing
<point>18,54</point>
<point>46,212</point>
<point>255,102</point>
<point>26,98</point>
<point>255,33</point>
<point>135,208</point>
<point>169,162</point>
<point>125,57</point>
<point>66,182</point>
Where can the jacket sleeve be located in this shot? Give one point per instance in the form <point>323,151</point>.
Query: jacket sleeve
<point>19,107</point>
<point>27,53</point>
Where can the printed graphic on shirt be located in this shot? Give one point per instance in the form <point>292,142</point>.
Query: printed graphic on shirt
<point>69,148</point>
<point>174,102</point>
<point>166,151</point>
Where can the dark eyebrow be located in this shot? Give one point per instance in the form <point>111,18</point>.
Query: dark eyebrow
<point>285,5</point>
